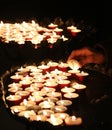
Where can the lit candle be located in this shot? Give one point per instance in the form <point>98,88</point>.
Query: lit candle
<point>24,94</point>
<point>27,103</point>
<point>38,118</point>
<point>59,108</point>
<point>16,77</point>
<point>64,102</point>
<point>53,65</point>
<point>73,120</point>
<point>13,99</point>
<point>67,89</point>
<point>79,87</point>
<point>52,26</point>
<point>63,67</point>
<point>70,95</point>
<point>46,104</point>
<point>81,75</point>
<point>17,109</point>
<point>27,113</point>
<point>54,94</point>
<point>56,121</point>
<point>61,115</point>
<point>45,112</point>
<point>64,83</point>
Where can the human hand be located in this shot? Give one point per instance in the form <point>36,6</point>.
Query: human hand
<point>86,55</point>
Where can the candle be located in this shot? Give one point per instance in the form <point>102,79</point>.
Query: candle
<point>52,26</point>
<point>16,77</point>
<point>59,108</point>
<point>64,83</point>
<point>67,89</point>
<point>25,83</point>
<point>73,120</point>
<point>64,102</point>
<point>27,103</point>
<point>79,87</point>
<point>53,65</point>
<point>14,89</point>
<point>24,94</point>
<point>54,94</point>
<point>16,85</point>
<point>46,104</point>
<point>17,109</point>
<point>56,121</point>
<point>36,98</point>
<point>13,99</point>
<point>52,99</point>
<point>45,112</point>
<point>47,89</point>
<point>58,31</point>
<point>51,84</point>
<point>81,75</point>
<point>61,115</point>
<point>44,68</point>
<point>27,113</point>
<point>63,67</point>
<point>75,31</point>
<point>70,95</point>
<point>38,118</point>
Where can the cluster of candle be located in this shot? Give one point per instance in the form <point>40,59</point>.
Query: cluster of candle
<point>31,31</point>
<point>44,93</point>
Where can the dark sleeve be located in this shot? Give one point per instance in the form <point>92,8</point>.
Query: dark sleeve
<point>105,47</point>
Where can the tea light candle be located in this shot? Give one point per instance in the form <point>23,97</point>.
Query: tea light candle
<point>52,99</point>
<point>24,94</point>
<point>51,84</point>
<point>75,31</point>
<point>73,120</point>
<point>38,118</point>
<point>16,77</point>
<point>44,68</point>
<point>64,83</point>
<point>46,104</point>
<point>52,26</point>
<point>39,86</point>
<point>53,65</point>
<point>70,95</point>
<point>27,114</point>
<point>67,89</point>
<point>31,89</point>
<point>27,103</point>
<point>17,108</point>
<point>71,27</point>
<point>56,121</point>
<point>63,67</point>
<point>16,85</point>
<point>25,83</point>
<point>54,94</point>
<point>58,31</point>
<point>13,99</point>
<point>45,112</point>
<point>14,89</point>
<point>59,108</point>
<point>61,115</point>
<point>36,98</point>
<point>79,87</point>
<point>81,75</point>
<point>47,89</point>
<point>64,102</point>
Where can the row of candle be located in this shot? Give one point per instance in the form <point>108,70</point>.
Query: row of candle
<point>32,31</point>
<point>52,94</point>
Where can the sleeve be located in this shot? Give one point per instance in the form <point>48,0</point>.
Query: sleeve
<point>105,47</point>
